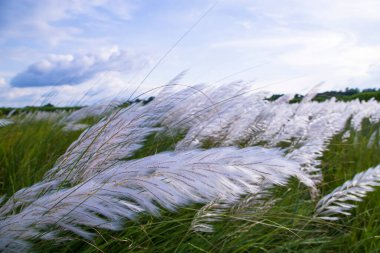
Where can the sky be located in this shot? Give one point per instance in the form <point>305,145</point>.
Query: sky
<point>78,52</point>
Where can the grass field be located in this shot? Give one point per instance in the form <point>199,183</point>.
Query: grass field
<point>98,153</point>
<point>29,149</point>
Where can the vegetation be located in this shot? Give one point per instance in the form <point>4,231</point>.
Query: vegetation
<point>158,142</point>
<point>28,149</point>
<point>281,219</point>
<point>4,111</point>
<point>346,95</point>
<point>288,226</point>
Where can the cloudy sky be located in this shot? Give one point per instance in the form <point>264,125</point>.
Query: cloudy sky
<point>81,52</point>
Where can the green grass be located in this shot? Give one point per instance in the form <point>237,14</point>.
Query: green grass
<point>28,150</point>
<point>157,143</point>
<point>90,120</point>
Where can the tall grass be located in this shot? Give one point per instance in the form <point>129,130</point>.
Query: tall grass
<point>28,149</point>
<point>279,218</point>
<point>287,226</point>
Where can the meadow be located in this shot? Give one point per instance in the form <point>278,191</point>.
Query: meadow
<point>197,169</point>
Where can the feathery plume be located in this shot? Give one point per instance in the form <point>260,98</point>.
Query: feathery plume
<point>339,202</point>
<point>5,122</point>
<point>372,139</point>
<point>168,180</point>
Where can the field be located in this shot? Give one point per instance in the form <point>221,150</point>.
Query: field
<point>185,172</point>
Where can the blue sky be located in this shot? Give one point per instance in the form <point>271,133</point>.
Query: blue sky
<point>79,51</point>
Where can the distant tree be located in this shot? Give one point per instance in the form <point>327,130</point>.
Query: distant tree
<point>349,92</point>
<point>48,105</point>
<point>370,90</point>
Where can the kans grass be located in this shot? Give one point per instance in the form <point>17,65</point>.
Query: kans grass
<point>279,217</point>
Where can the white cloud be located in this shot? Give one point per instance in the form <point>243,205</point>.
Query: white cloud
<point>287,39</point>
<point>75,69</point>
<point>53,21</point>
<point>340,10</point>
<point>329,40</point>
<point>371,78</point>
<point>2,82</point>
<point>245,24</point>
<point>104,86</point>
<point>321,11</point>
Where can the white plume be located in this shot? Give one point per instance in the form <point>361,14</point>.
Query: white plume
<point>5,122</point>
<point>167,180</point>
<point>339,202</point>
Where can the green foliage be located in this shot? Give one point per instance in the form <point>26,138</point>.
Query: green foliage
<point>157,143</point>
<point>90,120</point>
<point>364,96</point>
<point>346,158</point>
<point>28,150</point>
<point>209,143</point>
<point>346,95</point>
<point>340,163</point>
